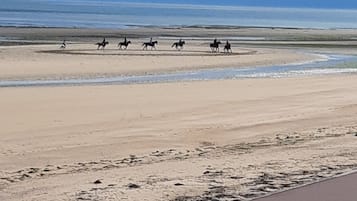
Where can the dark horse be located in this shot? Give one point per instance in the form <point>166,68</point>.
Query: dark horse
<point>215,45</point>
<point>228,48</point>
<point>102,44</point>
<point>124,44</point>
<point>179,45</point>
<point>152,44</point>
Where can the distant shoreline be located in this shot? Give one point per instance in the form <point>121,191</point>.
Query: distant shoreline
<point>41,35</point>
<point>133,26</point>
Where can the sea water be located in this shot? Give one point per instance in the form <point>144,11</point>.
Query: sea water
<point>115,14</point>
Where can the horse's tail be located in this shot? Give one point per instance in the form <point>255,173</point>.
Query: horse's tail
<point>173,45</point>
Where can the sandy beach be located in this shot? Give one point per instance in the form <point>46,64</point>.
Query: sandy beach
<point>82,59</point>
<point>200,140</point>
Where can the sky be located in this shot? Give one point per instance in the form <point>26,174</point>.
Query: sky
<point>324,4</point>
<point>329,4</point>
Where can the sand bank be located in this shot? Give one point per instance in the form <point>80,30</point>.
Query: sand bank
<point>83,60</point>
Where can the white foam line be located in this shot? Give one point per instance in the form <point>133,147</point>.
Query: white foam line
<point>320,58</point>
<point>300,73</point>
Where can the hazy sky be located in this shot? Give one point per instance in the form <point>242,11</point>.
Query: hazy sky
<point>332,4</point>
<point>329,4</point>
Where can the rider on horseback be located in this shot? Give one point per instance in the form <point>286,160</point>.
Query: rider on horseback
<point>215,45</point>
<point>227,47</point>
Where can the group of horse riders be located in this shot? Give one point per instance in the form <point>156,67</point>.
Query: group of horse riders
<point>178,45</point>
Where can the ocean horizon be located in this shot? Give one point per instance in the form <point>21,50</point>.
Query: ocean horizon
<point>113,14</point>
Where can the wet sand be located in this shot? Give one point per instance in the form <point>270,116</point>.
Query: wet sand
<point>342,189</point>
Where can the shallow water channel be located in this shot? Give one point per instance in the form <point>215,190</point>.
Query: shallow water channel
<point>334,64</point>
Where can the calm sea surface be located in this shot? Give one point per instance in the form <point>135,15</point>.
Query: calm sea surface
<point>113,14</point>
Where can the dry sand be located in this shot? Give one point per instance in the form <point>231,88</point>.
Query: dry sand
<point>223,140</point>
<point>239,139</point>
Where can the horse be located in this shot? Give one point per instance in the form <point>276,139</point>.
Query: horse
<point>152,44</point>
<point>102,44</point>
<point>125,44</point>
<point>215,46</point>
<point>179,45</point>
<point>228,48</point>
